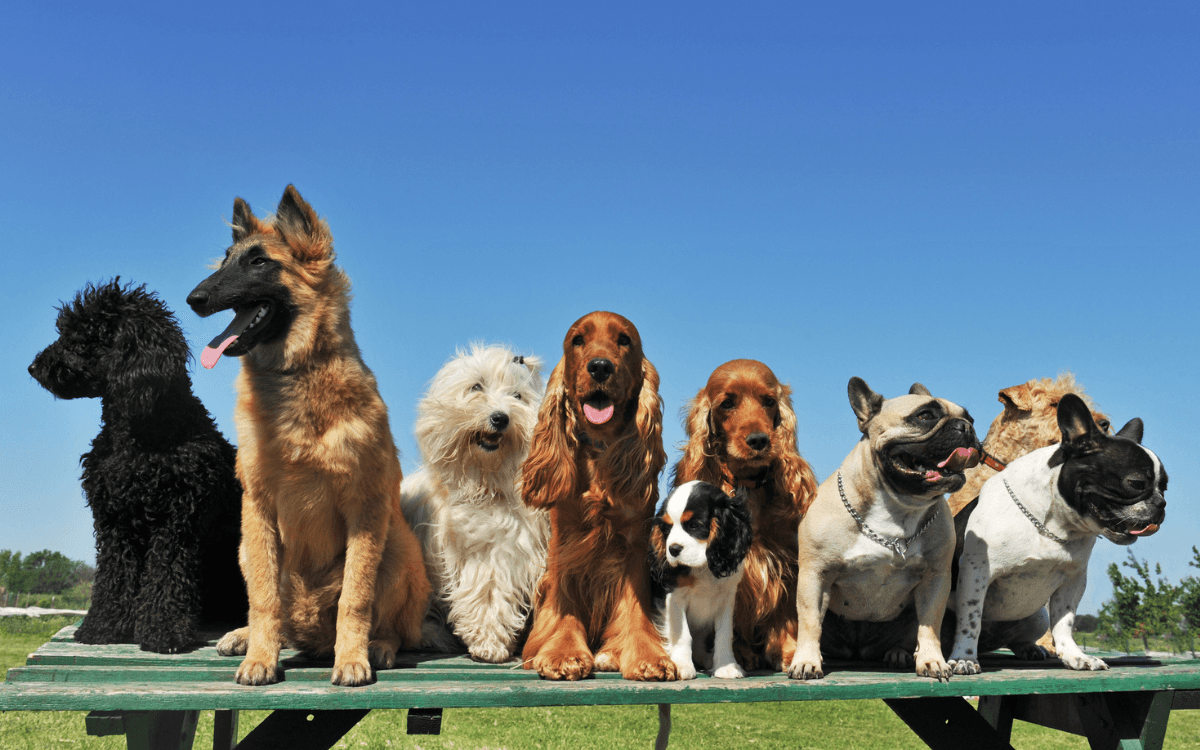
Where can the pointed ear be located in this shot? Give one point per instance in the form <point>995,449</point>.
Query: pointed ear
<point>244,223</point>
<point>919,390</point>
<point>548,474</point>
<point>1132,430</point>
<point>1016,398</point>
<point>1079,430</point>
<point>865,402</point>
<point>306,234</point>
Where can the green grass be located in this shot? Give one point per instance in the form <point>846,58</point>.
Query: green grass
<point>812,725</point>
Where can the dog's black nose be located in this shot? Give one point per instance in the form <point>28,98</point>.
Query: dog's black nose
<point>498,420</point>
<point>675,549</point>
<point>600,369</point>
<point>759,441</point>
<point>198,298</point>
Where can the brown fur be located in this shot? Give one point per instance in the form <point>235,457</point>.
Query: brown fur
<point>329,562</point>
<point>600,484</point>
<point>741,398</point>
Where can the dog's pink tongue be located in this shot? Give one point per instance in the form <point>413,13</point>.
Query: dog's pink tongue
<point>961,458</point>
<point>1146,531</point>
<point>241,321</point>
<point>597,416</point>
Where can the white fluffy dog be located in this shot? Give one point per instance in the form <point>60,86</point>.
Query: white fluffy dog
<point>484,549</point>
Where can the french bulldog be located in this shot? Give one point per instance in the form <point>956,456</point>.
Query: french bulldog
<point>877,542</point>
<point>1029,538</point>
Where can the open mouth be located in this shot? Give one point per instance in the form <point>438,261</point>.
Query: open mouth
<point>930,470</point>
<point>235,339</point>
<point>489,441</point>
<point>598,408</point>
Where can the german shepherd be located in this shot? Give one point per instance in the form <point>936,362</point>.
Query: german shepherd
<point>331,566</point>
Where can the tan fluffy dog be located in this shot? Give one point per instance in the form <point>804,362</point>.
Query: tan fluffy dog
<point>594,463</point>
<point>742,433</point>
<point>330,564</point>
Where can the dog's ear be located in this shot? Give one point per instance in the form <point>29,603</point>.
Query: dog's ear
<point>244,223</point>
<point>699,459</point>
<point>1016,398</point>
<point>1132,430</point>
<point>865,402</point>
<point>548,474</point>
<point>648,455</point>
<point>1080,435</point>
<point>305,233</point>
<point>656,554</point>
<point>919,390</point>
<point>793,476</point>
<point>734,533</point>
<point>148,354</point>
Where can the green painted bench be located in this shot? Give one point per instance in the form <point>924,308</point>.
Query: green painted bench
<point>155,700</point>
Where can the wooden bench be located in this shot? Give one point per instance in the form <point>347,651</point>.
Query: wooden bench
<point>155,700</point>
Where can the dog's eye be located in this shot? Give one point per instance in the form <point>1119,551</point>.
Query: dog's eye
<point>1137,484</point>
<point>768,402</point>
<point>477,387</point>
<point>517,396</point>
<point>728,403</point>
<point>623,340</point>
<point>926,415</point>
<point>258,261</point>
<point>577,341</point>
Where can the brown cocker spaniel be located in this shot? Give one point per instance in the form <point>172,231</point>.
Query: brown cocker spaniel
<point>594,463</point>
<point>742,433</point>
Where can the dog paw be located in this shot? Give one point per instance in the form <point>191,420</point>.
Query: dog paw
<point>256,673</point>
<point>685,668</point>
<point>352,673</point>
<point>167,642</point>
<point>728,672</point>
<point>658,669</point>
<point>934,669</point>
<point>575,667</point>
<point>805,670</point>
<point>964,666</point>
<point>899,658</point>
<point>489,653</point>
<point>234,643</point>
<point>1083,662</point>
<point>1029,651</point>
<point>606,662</point>
<point>381,654</point>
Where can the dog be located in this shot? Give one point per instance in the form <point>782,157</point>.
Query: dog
<point>876,544</point>
<point>159,478</point>
<point>698,547</point>
<point>330,564</point>
<point>484,550</point>
<point>1028,422</point>
<point>741,432</point>
<point>594,464</point>
<point>1029,538</point>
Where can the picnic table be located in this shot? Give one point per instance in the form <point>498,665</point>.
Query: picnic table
<point>155,699</point>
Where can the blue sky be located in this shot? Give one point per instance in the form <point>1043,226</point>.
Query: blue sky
<point>965,196</point>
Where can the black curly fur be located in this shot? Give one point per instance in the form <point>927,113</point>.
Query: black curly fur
<point>160,481</point>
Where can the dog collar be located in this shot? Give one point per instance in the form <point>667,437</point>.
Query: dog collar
<point>992,462</point>
<point>899,546</point>
<point>1038,524</point>
<point>750,483</point>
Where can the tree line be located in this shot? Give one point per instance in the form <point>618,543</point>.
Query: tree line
<point>1145,605</point>
<point>41,573</point>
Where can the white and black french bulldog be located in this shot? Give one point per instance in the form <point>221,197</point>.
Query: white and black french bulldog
<point>1029,538</point>
<point>877,541</point>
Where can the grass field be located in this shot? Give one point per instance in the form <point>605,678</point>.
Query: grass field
<point>813,725</point>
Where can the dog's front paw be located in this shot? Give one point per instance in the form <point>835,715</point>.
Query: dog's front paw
<point>964,666</point>
<point>381,654</point>
<point>656,669</point>
<point>490,653</point>
<point>253,672</point>
<point>935,669</point>
<point>1083,662</point>
<point>685,668</point>
<point>167,640</point>
<point>1029,651</point>
<point>728,672</point>
<point>234,643</point>
<point>606,661</point>
<point>351,673</point>
<point>564,667</point>
<point>899,658</point>
<point>806,667</point>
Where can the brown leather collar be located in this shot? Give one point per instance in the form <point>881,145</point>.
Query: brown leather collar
<point>991,461</point>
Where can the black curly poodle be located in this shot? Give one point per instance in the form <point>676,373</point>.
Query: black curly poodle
<point>159,478</point>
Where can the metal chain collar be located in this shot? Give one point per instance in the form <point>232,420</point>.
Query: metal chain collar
<point>899,546</point>
<point>1041,529</point>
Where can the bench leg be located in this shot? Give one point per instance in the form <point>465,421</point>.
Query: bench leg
<point>424,721</point>
<point>1129,721</point>
<point>945,723</point>
<point>302,730</point>
<point>225,725</point>
<point>146,730</point>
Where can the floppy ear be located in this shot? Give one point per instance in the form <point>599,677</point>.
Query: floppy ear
<point>728,547</point>
<point>548,474</point>
<point>919,390</point>
<point>865,402</point>
<point>649,451</point>
<point>656,553</point>
<point>148,355</point>
<point>306,234</point>
<point>244,223</point>
<point>1080,435</point>
<point>699,459</point>
<point>1016,398</point>
<point>793,475</point>
<point>1132,430</point>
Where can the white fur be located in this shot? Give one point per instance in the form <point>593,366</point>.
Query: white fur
<point>695,611</point>
<point>484,550</point>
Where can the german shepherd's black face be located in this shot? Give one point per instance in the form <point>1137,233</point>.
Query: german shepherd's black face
<point>257,276</point>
